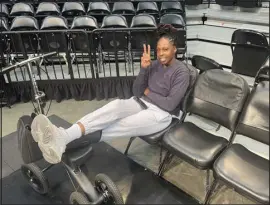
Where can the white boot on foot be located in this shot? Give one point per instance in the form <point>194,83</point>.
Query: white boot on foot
<point>51,139</point>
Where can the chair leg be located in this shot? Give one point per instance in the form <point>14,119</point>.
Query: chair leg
<point>207,181</point>
<point>210,191</point>
<point>160,155</point>
<point>165,162</point>
<point>129,143</point>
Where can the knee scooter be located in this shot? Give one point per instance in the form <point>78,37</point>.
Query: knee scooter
<point>77,152</point>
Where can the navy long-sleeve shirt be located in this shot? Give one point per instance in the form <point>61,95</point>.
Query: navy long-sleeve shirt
<point>167,85</point>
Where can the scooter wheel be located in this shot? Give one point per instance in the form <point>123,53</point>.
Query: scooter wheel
<point>35,178</point>
<point>78,198</point>
<point>106,186</point>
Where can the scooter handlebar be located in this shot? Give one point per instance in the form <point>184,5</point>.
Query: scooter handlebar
<point>29,60</point>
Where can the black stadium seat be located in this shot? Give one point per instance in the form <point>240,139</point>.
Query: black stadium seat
<point>148,7</point>
<point>4,10</point>
<point>98,10</point>
<point>22,23</point>
<point>193,2</point>
<point>84,22</point>
<point>22,9</point>
<point>80,40</point>
<point>24,42</point>
<point>138,38</point>
<point>54,22</point>
<point>203,63</point>
<point>225,2</point>
<point>111,40</point>
<point>54,41</point>
<point>248,44</point>
<point>174,7</point>
<point>124,8</point>
<point>114,42</point>
<point>47,9</point>
<point>248,3</point>
<point>177,21</point>
<point>240,168</point>
<point>72,9</point>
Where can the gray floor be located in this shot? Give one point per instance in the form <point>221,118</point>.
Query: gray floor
<point>181,174</point>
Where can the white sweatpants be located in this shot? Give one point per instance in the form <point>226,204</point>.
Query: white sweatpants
<point>125,118</point>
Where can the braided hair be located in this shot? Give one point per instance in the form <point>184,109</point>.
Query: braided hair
<point>167,31</point>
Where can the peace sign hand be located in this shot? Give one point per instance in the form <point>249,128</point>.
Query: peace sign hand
<point>146,57</point>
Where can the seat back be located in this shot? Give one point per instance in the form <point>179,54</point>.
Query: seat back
<point>203,63</point>
<point>53,41</point>
<point>4,10</point>
<point>192,81</point>
<point>248,44</point>
<point>99,10</point>
<point>71,9</point>
<point>24,42</point>
<point>148,7</point>
<point>218,96</point>
<point>124,8</point>
<point>225,2</point>
<point>111,40</point>
<point>47,9</point>
<point>80,41</point>
<point>138,38</point>
<point>177,22</point>
<point>254,121</point>
<point>22,9</point>
<point>193,2</point>
<point>174,7</point>
<point>248,4</point>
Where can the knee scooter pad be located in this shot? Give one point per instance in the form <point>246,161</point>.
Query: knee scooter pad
<point>29,149</point>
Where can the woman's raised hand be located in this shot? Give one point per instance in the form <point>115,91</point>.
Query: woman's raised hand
<point>146,57</point>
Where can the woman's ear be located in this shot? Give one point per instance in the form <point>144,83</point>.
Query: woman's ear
<point>175,49</point>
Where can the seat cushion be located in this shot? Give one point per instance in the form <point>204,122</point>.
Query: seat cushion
<point>194,145</point>
<point>245,171</point>
<point>157,137</point>
<point>76,158</point>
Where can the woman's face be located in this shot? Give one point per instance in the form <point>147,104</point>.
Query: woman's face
<point>165,51</point>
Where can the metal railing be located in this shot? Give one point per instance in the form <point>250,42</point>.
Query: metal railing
<point>110,52</point>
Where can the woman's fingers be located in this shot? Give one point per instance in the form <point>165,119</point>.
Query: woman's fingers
<point>146,51</point>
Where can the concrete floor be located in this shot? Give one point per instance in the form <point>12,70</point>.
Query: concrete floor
<point>181,174</point>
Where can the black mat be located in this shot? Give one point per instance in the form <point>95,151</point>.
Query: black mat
<point>137,184</point>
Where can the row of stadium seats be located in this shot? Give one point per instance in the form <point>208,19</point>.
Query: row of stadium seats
<point>89,22</point>
<point>53,38</point>
<point>78,8</point>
